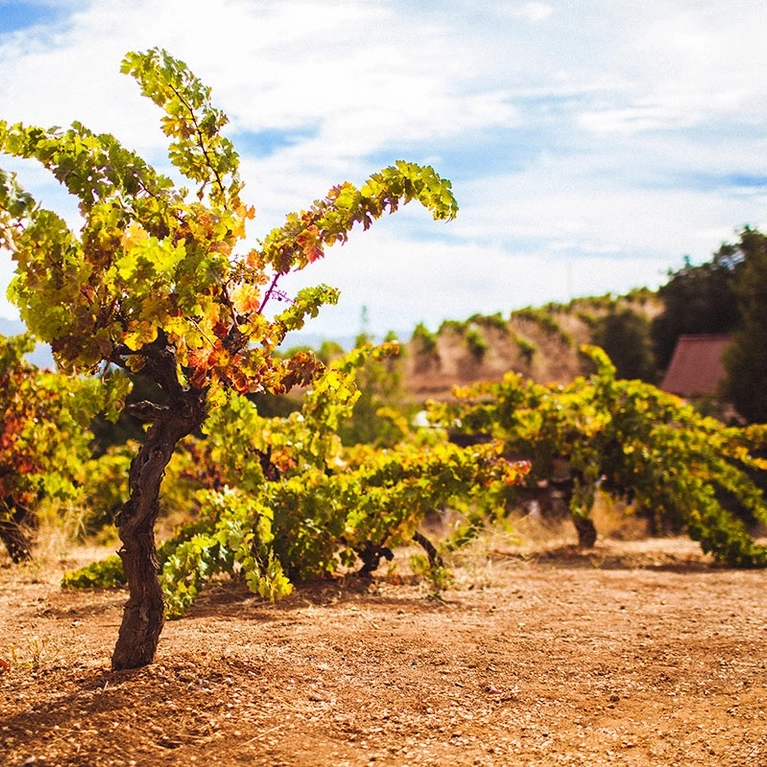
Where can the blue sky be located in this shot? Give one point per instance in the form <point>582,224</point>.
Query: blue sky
<point>591,143</point>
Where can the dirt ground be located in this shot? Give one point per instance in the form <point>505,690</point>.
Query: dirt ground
<point>634,653</point>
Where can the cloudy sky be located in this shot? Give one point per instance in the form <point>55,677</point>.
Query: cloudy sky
<point>591,143</point>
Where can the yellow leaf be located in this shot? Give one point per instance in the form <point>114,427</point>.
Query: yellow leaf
<point>139,334</point>
<point>246,298</point>
<point>176,328</point>
<point>134,235</point>
<point>217,396</point>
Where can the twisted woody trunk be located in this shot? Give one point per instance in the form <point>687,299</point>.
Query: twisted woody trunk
<point>184,412</point>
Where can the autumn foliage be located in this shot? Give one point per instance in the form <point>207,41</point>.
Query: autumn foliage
<point>158,281</point>
<point>44,439</point>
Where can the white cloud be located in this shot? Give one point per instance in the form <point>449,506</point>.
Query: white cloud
<point>567,210</point>
<point>688,68</point>
<point>591,144</point>
<point>532,11</point>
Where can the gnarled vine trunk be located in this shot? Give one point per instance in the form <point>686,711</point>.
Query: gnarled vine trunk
<point>15,531</point>
<point>143,617</point>
<point>587,533</point>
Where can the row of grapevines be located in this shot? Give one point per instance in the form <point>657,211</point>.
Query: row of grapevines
<point>633,440</point>
<point>281,499</point>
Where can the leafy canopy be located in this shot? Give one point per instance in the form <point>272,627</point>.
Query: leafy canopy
<point>156,267</point>
<point>282,500</point>
<point>746,356</point>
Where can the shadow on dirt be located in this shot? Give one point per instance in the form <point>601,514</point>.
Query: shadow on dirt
<point>604,557</point>
<point>233,599</point>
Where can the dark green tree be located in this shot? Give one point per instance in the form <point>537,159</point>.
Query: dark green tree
<point>746,357</point>
<point>697,299</point>
<point>625,335</point>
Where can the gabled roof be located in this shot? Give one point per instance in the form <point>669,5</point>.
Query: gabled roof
<point>696,368</point>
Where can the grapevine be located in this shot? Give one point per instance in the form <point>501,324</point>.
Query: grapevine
<point>44,438</point>
<point>632,440</point>
<point>284,501</point>
<point>158,282</point>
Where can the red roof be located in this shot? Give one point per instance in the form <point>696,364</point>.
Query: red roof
<point>696,367</point>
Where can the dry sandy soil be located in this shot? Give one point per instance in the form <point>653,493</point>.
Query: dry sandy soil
<point>634,653</point>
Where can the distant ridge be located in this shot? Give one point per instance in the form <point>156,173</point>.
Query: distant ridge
<point>538,343</point>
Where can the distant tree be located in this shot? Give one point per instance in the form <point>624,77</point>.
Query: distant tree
<point>153,283</point>
<point>746,357</point>
<point>625,335</point>
<point>424,341</point>
<point>329,350</point>
<point>697,299</point>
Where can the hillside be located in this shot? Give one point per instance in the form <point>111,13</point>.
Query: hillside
<point>541,344</point>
